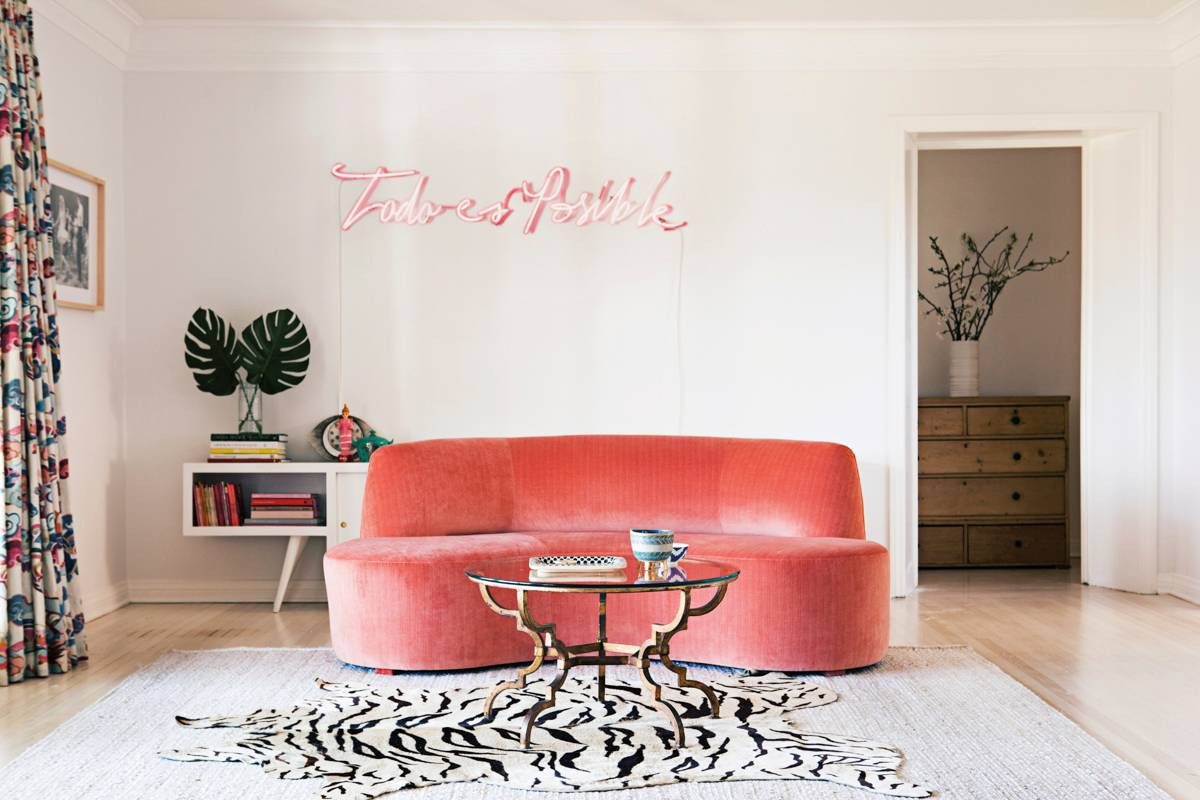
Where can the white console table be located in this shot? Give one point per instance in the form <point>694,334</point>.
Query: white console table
<point>338,486</point>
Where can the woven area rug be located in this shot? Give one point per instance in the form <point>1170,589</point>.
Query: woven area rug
<point>963,727</point>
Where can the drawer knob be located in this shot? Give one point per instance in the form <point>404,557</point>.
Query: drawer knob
<point>1018,543</point>
<point>1016,495</point>
<point>1017,456</point>
<point>344,525</point>
<point>1016,419</point>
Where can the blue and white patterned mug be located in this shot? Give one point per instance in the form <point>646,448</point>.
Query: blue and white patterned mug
<point>651,544</point>
<point>678,551</point>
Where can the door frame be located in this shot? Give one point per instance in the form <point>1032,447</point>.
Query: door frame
<point>909,135</point>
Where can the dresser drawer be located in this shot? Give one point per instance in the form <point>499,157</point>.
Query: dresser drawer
<point>991,456</point>
<point>999,496</point>
<point>1016,420</point>
<point>940,545</point>
<point>938,421</point>
<point>1017,544</point>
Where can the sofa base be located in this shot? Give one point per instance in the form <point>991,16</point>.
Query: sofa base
<point>800,604</point>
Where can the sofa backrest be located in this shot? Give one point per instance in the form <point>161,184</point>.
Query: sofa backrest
<point>612,483</point>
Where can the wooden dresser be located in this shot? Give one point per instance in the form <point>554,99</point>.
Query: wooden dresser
<point>992,481</point>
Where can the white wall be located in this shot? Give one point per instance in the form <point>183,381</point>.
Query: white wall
<point>1031,344</point>
<point>783,176</point>
<point>1179,513</point>
<point>85,127</point>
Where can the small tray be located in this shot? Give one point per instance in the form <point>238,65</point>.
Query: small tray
<point>577,577</point>
<point>565,565</point>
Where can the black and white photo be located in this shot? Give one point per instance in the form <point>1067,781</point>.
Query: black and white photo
<point>77,213</point>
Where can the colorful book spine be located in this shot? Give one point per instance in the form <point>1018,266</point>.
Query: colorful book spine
<point>217,504</point>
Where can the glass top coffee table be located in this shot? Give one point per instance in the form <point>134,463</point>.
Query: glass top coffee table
<point>681,577</point>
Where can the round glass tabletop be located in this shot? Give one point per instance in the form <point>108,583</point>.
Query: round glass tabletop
<point>635,577</point>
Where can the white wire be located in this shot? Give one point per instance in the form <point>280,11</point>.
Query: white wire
<point>679,330</point>
<point>340,333</point>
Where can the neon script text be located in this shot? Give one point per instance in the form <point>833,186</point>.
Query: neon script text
<point>547,201</point>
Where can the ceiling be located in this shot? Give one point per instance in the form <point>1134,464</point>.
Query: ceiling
<point>796,12</point>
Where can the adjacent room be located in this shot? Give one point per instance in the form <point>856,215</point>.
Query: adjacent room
<point>780,399</point>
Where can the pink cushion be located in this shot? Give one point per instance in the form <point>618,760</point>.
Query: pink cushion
<point>813,594</point>
<point>799,604</point>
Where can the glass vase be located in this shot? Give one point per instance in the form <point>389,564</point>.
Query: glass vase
<point>250,412</point>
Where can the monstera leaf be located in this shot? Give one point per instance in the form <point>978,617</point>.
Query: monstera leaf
<point>211,350</point>
<point>274,351</point>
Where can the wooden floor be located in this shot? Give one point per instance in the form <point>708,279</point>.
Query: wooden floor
<point>1125,667</point>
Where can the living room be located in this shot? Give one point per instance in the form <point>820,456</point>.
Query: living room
<point>399,349</point>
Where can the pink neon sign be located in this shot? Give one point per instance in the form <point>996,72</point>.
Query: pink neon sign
<point>548,201</point>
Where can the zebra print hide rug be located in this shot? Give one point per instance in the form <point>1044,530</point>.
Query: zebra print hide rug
<point>365,742</point>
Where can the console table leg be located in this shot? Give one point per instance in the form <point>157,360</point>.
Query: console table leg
<point>294,546</point>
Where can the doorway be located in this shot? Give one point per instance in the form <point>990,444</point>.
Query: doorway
<point>1117,522</point>
<point>997,465</point>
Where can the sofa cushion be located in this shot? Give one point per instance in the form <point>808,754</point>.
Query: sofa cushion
<point>800,603</point>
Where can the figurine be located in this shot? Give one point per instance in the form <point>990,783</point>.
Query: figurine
<point>368,444</point>
<point>345,435</point>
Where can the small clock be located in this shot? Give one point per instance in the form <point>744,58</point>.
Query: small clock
<point>326,439</point>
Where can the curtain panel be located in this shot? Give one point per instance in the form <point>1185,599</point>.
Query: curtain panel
<point>44,631</point>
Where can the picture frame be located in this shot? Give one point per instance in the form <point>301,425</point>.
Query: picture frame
<point>77,209</point>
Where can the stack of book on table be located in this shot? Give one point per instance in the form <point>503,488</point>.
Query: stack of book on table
<point>280,508</point>
<point>216,503</point>
<point>248,448</point>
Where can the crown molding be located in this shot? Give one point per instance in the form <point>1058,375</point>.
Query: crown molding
<point>116,31</point>
<point>1182,30</point>
<point>104,26</point>
<point>258,46</point>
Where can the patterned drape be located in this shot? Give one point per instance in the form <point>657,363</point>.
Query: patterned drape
<point>44,631</point>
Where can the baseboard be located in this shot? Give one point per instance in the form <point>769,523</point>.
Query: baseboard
<point>1182,586</point>
<point>156,590</point>
<point>112,598</point>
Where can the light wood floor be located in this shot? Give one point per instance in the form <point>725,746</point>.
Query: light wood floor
<point>1125,667</point>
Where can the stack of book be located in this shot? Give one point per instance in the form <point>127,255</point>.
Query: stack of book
<point>217,503</point>
<point>248,448</point>
<point>277,508</point>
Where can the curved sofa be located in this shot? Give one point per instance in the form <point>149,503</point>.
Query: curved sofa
<point>812,595</point>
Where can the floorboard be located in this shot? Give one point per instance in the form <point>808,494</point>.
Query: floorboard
<point>1123,666</point>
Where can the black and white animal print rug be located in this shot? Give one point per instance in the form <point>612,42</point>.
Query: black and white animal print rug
<point>365,742</point>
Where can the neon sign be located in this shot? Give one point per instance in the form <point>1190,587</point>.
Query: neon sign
<point>548,201</point>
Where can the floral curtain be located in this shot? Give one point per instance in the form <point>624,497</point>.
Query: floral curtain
<point>44,630</point>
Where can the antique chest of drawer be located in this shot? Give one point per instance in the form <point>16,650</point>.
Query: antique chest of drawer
<point>992,481</point>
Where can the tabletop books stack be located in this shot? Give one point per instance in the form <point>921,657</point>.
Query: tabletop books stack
<point>282,508</point>
<point>247,448</point>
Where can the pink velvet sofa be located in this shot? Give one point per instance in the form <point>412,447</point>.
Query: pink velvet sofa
<point>812,595</point>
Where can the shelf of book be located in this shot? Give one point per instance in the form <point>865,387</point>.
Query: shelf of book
<point>337,489</point>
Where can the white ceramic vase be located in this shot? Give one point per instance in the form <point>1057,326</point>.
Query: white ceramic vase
<point>964,369</point>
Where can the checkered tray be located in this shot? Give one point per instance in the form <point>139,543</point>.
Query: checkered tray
<point>562,565</point>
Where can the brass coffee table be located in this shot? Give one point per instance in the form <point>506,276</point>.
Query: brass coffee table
<point>683,577</point>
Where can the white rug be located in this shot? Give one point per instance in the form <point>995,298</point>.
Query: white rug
<point>366,742</point>
<point>963,726</point>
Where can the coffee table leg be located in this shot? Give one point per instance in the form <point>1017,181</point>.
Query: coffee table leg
<point>603,625</point>
<point>680,671</point>
<point>552,688</point>
<point>660,644</point>
<point>535,631</point>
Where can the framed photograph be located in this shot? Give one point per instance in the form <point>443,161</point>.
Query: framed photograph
<point>77,208</point>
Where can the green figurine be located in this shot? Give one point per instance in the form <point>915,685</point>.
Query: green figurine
<point>369,444</point>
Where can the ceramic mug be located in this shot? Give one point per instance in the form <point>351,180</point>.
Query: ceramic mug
<point>678,551</point>
<point>651,544</point>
